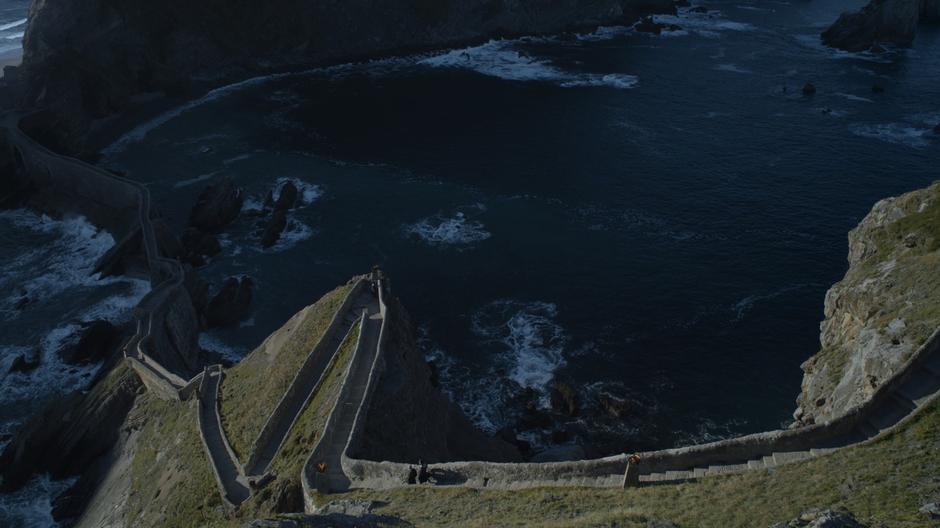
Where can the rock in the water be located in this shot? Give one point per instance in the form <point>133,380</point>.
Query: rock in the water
<point>27,362</point>
<point>96,341</point>
<point>649,25</point>
<point>564,399</point>
<point>22,302</point>
<point>809,89</point>
<point>198,245</point>
<point>217,206</point>
<point>614,406</point>
<point>822,519</point>
<point>699,9</point>
<point>273,229</point>
<point>287,197</point>
<point>231,304</point>
<point>890,21</point>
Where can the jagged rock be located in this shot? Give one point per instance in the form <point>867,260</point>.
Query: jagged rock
<point>27,362</point>
<point>287,197</point>
<point>891,21</point>
<point>199,245</point>
<point>809,89</point>
<point>614,406</point>
<point>564,399</point>
<point>231,304</point>
<point>217,206</point>
<point>822,519</point>
<point>649,25</point>
<point>354,507</point>
<point>877,48</point>
<point>273,228</point>
<point>875,317</point>
<point>22,302</point>
<point>67,437</point>
<point>96,341</point>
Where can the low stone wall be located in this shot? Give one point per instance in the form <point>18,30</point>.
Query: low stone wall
<point>598,472</point>
<point>167,325</point>
<point>314,358</point>
<point>205,396</point>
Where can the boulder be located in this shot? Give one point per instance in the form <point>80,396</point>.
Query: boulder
<point>614,406</point>
<point>287,198</point>
<point>817,518</point>
<point>199,245</point>
<point>881,21</point>
<point>95,341</point>
<point>809,89</point>
<point>564,399</point>
<point>273,228</point>
<point>217,206</point>
<point>27,362</point>
<point>231,304</point>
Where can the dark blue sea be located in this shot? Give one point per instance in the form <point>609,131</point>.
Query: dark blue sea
<point>655,218</point>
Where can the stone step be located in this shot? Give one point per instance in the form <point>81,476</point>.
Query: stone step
<point>769,462</point>
<point>755,464</point>
<point>699,472</point>
<point>822,451</point>
<point>678,475</point>
<point>790,456</point>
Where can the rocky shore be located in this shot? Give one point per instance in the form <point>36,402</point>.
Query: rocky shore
<point>881,22</point>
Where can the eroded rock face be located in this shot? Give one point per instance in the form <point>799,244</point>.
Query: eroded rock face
<point>88,59</point>
<point>218,205</point>
<point>232,303</point>
<point>882,311</point>
<point>881,21</point>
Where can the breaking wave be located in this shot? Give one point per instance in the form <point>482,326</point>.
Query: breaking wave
<point>448,231</point>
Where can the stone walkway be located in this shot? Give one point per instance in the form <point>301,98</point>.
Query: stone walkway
<point>233,485</point>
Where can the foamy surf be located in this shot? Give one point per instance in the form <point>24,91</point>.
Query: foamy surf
<point>457,230</point>
<point>501,59</point>
<point>31,506</point>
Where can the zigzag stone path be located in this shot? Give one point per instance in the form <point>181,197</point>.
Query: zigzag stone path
<point>232,483</point>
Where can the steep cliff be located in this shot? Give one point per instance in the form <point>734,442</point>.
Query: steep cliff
<point>881,22</point>
<point>87,59</point>
<point>887,305</point>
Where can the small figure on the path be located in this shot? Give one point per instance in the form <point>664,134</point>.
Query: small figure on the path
<point>423,474</point>
<point>412,475</point>
<point>631,477</point>
<point>321,467</point>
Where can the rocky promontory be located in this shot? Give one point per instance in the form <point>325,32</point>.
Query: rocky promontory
<point>881,22</point>
<point>884,308</point>
<point>86,60</point>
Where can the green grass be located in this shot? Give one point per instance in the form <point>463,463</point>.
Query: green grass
<point>252,389</point>
<point>284,494</point>
<point>172,483</point>
<point>885,482</point>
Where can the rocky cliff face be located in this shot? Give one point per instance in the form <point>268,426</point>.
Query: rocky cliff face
<point>881,22</point>
<point>886,307</point>
<point>88,59</point>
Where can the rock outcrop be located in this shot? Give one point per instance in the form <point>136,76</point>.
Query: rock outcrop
<point>882,311</point>
<point>68,437</point>
<point>217,206</point>
<point>232,303</point>
<point>411,420</point>
<point>880,22</point>
<point>89,59</point>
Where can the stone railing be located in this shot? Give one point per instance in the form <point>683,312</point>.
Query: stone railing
<point>322,351</point>
<point>167,324</point>
<point>849,429</point>
<point>308,473</point>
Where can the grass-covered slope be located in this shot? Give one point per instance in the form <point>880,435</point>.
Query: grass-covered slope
<point>883,484</point>
<point>886,306</point>
<point>252,389</point>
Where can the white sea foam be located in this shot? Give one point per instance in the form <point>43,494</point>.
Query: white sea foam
<point>307,192</point>
<point>502,59</point>
<point>193,181</point>
<point>856,98</point>
<point>745,305</point>
<point>31,506</point>
<point>213,343</point>
<point>14,24</point>
<point>709,25</point>
<point>907,134</point>
<point>732,68</point>
<point>295,232</point>
<point>448,231</point>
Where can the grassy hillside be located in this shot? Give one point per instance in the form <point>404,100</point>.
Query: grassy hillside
<point>252,389</point>
<point>884,483</point>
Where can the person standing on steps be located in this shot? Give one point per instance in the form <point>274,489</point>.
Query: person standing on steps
<point>412,475</point>
<point>631,477</point>
<point>423,474</point>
